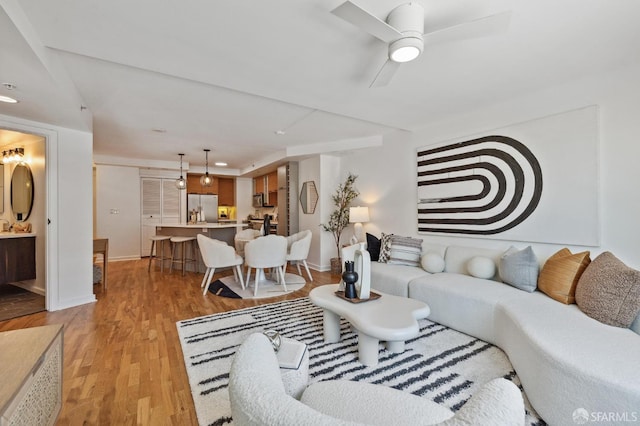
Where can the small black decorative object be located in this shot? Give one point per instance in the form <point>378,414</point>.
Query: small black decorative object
<point>266,224</point>
<point>349,276</point>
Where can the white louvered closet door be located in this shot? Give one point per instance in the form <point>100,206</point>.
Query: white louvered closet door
<point>151,189</point>
<point>170,201</point>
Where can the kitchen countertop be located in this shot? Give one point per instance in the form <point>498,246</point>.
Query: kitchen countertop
<point>11,234</point>
<point>201,225</point>
<point>260,221</point>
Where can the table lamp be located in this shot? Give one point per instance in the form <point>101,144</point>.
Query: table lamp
<point>358,215</point>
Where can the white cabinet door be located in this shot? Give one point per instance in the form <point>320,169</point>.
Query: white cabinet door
<point>160,204</point>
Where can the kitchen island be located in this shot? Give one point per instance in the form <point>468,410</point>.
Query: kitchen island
<point>223,231</point>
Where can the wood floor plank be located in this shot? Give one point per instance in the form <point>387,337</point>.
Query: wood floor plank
<point>122,358</point>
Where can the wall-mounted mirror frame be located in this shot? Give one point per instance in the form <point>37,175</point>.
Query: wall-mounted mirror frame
<point>309,197</point>
<point>21,192</point>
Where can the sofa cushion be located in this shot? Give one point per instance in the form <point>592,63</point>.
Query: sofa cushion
<point>405,251</point>
<point>635,325</point>
<point>519,268</point>
<point>373,247</point>
<point>432,262</point>
<point>609,291</point>
<point>385,247</point>
<point>394,279</point>
<point>462,302</point>
<point>560,275</point>
<point>481,267</point>
<point>456,258</point>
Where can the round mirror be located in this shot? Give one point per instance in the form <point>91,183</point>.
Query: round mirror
<point>21,192</point>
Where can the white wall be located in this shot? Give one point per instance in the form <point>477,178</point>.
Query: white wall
<point>244,191</point>
<point>309,170</point>
<point>387,175</point>
<point>68,238</point>
<point>330,177</point>
<point>118,189</point>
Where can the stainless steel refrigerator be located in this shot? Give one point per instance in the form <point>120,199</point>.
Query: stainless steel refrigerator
<point>205,205</point>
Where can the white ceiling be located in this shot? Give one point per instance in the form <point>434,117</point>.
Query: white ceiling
<point>226,75</point>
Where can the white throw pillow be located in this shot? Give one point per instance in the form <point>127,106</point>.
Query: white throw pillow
<point>481,267</point>
<point>432,262</point>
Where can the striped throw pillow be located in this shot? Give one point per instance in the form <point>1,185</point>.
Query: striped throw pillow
<point>405,251</point>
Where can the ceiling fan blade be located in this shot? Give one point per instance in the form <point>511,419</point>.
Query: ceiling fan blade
<point>359,17</point>
<point>385,74</point>
<point>481,27</point>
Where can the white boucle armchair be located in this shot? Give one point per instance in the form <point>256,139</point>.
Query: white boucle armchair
<point>258,397</point>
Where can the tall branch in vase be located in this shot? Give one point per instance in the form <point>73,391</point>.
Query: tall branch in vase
<point>339,218</point>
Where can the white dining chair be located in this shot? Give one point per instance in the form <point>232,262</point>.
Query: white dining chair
<point>266,252</point>
<point>243,237</point>
<point>298,250</point>
<point>218,254</point>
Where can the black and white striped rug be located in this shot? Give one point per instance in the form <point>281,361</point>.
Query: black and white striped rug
<point>441,364</point>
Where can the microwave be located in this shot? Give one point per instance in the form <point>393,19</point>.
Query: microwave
<point>258,200</point>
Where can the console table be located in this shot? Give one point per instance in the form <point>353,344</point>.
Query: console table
<point>101,246</point>
<point>31,371</point>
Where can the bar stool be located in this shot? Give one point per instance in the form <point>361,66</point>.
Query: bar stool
<point>159,239</point>
<point>183,260</point>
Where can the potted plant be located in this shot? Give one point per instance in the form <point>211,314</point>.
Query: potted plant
<point>339,218</point>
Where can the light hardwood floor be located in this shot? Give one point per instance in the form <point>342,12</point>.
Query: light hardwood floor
<point>123,363</point>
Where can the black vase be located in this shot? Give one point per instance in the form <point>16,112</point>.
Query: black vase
<point>349,276</point>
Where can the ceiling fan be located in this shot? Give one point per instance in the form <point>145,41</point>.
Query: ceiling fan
<point>404,32</point>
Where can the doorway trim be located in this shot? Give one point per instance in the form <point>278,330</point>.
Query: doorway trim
<point>51,206</point>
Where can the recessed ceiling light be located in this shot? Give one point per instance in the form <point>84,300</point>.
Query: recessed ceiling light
<point>279,132</point>
<point>8,100</point>
<point>220,163</point>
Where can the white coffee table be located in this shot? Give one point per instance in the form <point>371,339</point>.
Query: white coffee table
<point>392,319</point>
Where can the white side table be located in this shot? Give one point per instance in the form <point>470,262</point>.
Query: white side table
<point>296,380</point>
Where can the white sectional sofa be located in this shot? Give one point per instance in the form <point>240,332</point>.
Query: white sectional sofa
<point>565,359</point>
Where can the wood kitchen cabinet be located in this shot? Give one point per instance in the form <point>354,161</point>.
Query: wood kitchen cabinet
<point>272,181</point>
<point>226,191</point>
<point>194,187</point>
<point>258,185</point>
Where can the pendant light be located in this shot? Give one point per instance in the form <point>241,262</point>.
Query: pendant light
<point>205,179</point>
<point>181,183</point>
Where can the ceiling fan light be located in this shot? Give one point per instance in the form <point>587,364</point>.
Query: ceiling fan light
<point>406,49</point>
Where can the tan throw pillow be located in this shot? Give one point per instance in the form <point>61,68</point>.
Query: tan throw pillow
<point>560,275</point>
<point>609,291</point>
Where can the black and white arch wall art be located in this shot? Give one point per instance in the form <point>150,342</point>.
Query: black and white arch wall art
<point>481,186</point>
<point>534,181</point>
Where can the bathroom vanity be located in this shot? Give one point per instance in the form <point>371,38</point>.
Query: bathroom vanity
<point>17,257</point>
